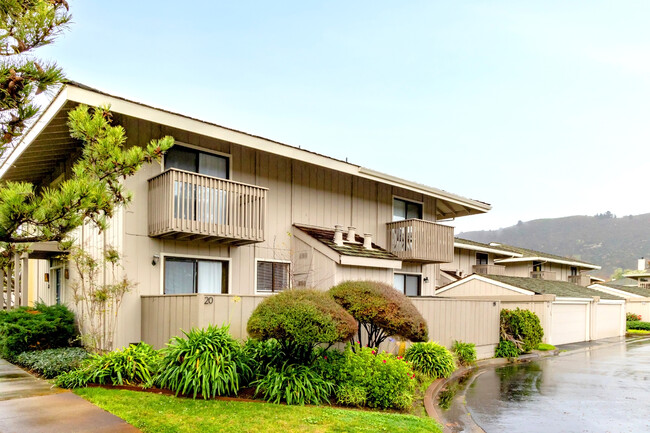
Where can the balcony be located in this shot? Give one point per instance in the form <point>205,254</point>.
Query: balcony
<point>192,206</point>
<point>421,241</point>
<point>644,285</point>
<point>489,269</point>
<point>580,280</point>
<point>544,275</point>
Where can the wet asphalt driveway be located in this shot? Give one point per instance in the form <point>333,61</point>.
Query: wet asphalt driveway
<point>606,389</point>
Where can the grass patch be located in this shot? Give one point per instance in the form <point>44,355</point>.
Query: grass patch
<point>161,413</point>
<point>544,347</point>
<point>638,332</point>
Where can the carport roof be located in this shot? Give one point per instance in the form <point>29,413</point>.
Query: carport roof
<point>561,289</point>
<point>630,289</point>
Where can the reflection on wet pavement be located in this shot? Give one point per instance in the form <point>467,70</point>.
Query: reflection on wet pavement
<point>601,390</point>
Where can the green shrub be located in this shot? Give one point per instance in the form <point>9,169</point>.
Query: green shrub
<point>26,329</point>
<point>506,349</point>
<point>374,379</point>
<point>521,327</point>
<point>207,361</point>
<point>134,365</point>
<point>294,384</point>
<point>381,310</point>
<point>643,326</point>
<point>631,317</point>
<point>431,359</point>
<point>260,356</point>
<point>299,320</point>
<point>465,352</point>
<point>52,362</point>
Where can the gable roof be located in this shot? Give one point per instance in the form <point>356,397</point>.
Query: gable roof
<point>528,255</point>
<point>644,273</point>
<point>466,244</point>
<point>561,289</point>
<point>635,290</point>
<point>49,135</point>
<point>326,237</point>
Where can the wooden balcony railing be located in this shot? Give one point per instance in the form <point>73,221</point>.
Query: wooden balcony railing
<point>581,280</point>
<point>489,269</point>
<point>544,275</point>
<point>421,241</point>
<point>194,206</point>
<point>644,285</point>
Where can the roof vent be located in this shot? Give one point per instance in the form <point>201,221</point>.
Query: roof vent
<point>338,235</point>
<point>352,234</point>
<point>367,241</point>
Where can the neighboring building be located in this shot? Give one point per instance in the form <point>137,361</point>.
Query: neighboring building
<point>232,213</point>
<point>499,259</point>
<point>642,274</point>
<point>568,312</point>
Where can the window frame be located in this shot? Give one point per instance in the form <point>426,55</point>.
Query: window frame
<point>199,149</point>
<point>265,292</point>
<point>487,258</point>
<point>411,274</point>
<point>164,256</point>
<point>406,201</point>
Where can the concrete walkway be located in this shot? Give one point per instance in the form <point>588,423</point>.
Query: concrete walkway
<point>31,405</point>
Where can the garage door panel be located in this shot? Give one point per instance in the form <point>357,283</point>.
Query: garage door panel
<point>569,323</point>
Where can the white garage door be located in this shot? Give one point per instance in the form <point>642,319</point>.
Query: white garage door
<point>569,323</point>
<point>608,320</point>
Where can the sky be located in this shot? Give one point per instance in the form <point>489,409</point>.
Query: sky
<point>539,108</point>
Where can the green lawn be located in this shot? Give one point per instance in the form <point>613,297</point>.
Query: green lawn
<point>545,347</point>
<point>638,331</point>
<point>160,413</point>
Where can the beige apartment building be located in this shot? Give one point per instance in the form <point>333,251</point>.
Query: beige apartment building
<point>231,213</point>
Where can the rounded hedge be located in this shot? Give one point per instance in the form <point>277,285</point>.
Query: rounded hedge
<point>303,317</point>
<point>522,328</point>
<point>380,305</point>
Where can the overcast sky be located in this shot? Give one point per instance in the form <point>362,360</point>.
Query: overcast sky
<point>538,108</point>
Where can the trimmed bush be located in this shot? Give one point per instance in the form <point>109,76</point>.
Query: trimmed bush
<point>44,327</point>
<point>294,384</point>
<point>431,359</point>
<point>643,326</point>
<point>465,352</point>
<point>52,362</point>
<point>381,310</point>
<point>374,379</point>
<point>631,317</point>
<point>207,361</point>
<point>522,328</point>
<point>506,349</point>
<point>299,320</point>
<point>134,365</point>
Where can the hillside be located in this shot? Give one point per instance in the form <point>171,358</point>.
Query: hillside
<point>603,239</point>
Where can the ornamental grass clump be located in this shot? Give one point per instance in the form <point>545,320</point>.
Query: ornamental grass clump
<point>381,311</point>
<point>299,320</point>
<point>206,362</point>
<point>293,384</point>
<point>465,352</point>
<point>133,365</point>
<point>431,359</point>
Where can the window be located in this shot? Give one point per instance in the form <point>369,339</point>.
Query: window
<point>481,258</point>
<point>404,210</point>
<point>272,276</point>
<point>574,271</point>
<point>196,161</point>
<point>185,275</point>
<point>407,284</point>
<point>537,266</point>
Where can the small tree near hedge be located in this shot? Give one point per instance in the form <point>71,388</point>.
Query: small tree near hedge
<point>522,328</point>
<point>299,320</point>
<point>381,310</point>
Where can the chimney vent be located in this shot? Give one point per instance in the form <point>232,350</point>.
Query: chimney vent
<point>351,234</point>
<point>367,241</point>
<point>641,264</point>
<point>338,235</point>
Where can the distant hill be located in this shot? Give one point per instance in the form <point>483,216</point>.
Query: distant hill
<point>603,239</point>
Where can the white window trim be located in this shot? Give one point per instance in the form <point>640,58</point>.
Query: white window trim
<point>264,293</point>
<point>161,262</point>
<point>419,274</point>
<point>201,149</point>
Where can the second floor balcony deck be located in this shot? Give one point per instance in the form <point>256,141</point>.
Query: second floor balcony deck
<point>421,241</point>
<point>186,205</point>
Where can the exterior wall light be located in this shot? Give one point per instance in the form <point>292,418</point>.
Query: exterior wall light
<point>155,259</point>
